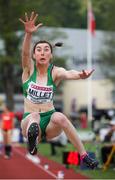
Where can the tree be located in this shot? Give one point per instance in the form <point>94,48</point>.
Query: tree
<point>104,13</point>
<point>107,55</point>
<point>9,13</point>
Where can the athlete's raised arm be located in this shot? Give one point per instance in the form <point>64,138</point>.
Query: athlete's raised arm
<point>30,27</point>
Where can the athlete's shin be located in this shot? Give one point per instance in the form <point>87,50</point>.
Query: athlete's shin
<point>33,133</point>
<point>72,135</point>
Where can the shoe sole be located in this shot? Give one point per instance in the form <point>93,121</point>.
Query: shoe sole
<point>95,165</point>
<point>92,166</point>
<point>33,133</point>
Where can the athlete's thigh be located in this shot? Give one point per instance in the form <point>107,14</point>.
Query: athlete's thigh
<point>33,117</point>
<point>53,129</point>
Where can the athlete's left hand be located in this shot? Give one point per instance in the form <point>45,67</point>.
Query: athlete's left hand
<point>85,74</point>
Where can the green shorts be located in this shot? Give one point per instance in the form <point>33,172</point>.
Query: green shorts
<point>44,119</point>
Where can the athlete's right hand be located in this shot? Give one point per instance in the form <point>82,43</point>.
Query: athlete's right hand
<point>29,23</point>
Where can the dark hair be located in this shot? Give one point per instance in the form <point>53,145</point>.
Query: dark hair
<point>42,42</point>
<point>58,44</point>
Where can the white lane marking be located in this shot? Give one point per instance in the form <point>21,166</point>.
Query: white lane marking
<point>38,165</point>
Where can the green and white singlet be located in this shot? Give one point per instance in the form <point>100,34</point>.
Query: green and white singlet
<point>39,93</point>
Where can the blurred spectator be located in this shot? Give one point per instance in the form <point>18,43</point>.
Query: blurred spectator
<point>110,114</point>
<point>94,104</point>
<point>59,141</point>
<point>7,125</point>
<point>110,140</point>
<point>73,105</point>
<point>83,120</point>
<point>19,116</point>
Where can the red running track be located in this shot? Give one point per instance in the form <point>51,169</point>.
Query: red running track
<point>19,167</point>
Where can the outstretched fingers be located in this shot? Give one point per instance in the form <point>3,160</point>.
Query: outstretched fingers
<point>29,22</point>
<point>85,74</point>
<point>35,17</point>
<point>83,71</point>
<point>88,72</point>
<point>39,25</point>
<point>91,71</point>
<point>26,19</point>
<point>21,20</point>
<point>26,16</point>
<point>32,16</point>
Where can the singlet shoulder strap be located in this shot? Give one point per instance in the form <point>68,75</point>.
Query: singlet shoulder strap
<point>50,79</point>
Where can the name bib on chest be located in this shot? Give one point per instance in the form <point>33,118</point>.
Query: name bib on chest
<point>39,94</point>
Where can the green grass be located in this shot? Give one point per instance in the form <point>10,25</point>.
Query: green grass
<point>44,149</point>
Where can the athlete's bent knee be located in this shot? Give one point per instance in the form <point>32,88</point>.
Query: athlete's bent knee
<point>60,119</point>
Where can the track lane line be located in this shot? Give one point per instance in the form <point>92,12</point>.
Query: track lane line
<point>38,165</point>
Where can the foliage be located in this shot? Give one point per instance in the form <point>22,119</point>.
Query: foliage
<point>64,13</point>
<point>108,57</point>
<point>104,13</point>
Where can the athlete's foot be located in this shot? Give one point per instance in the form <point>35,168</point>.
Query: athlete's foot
<point>32,158</point>
<point>33,133</point>
<point>89,162</point>
<point>7,156</point>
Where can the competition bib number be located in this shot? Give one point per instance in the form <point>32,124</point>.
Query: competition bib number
<point>39,94</point>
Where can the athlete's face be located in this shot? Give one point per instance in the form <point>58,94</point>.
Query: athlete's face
<point>42,53</point>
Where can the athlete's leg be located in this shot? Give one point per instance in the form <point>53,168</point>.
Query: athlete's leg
<point>31,130</point>
<point>60,122</point>
<point>27,121</point>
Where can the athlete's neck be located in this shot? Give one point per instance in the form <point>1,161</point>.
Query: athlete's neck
<point>42,69</point>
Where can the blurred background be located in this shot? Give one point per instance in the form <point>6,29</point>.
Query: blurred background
<point>87,30</point>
